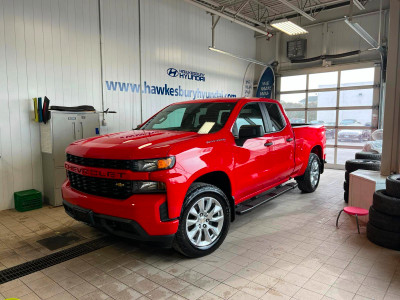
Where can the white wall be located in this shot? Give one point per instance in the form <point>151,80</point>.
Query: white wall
<point>48,48</point>
<point>174,34</point>
<point>52,47</point>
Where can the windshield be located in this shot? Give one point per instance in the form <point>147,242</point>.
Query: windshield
<point>195,117</point>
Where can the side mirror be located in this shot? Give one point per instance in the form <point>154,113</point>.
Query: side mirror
<point>250,131</point>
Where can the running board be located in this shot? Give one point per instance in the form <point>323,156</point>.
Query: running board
<point>254,202</point>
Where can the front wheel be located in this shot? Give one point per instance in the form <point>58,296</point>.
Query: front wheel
<point>204,221</point>
<point>309,181</point>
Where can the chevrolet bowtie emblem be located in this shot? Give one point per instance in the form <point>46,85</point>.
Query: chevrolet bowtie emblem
<point>119,184</point>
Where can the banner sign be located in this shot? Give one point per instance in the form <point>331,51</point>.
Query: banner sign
<point>266,84</point>
<point>248,81</point>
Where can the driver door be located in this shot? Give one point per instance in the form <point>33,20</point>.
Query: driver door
<point>250,157</point>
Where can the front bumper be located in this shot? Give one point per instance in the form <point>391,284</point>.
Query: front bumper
<point>137,217</point>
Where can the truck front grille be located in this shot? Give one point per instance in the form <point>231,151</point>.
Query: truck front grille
<point>104,187</point>
<point>102,163</point>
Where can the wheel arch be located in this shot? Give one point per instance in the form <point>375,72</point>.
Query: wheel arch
<point>221,180</point>
<point>317,149</point>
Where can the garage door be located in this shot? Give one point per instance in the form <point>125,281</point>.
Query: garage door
<point>345,100</point>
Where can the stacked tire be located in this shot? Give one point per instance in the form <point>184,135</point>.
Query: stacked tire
<point>383,227</point>
<point>359,164</point>
<point>368,155</point>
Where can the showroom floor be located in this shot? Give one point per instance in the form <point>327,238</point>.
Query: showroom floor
<point>286,249</point>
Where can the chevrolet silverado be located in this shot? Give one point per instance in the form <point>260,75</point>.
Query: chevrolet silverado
<point>182,176</point>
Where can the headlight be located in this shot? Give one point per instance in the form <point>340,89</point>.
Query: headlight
<point>148,187</point>
<point>148,165</point>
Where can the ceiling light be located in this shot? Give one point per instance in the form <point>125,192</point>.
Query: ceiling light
<point>288,27</point>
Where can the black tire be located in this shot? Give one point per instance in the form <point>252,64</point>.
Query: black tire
<point>304,182</point>
<point>393,186</point>
<point>182,242</point>
<point>386,204</point>
<point>346,197</point>
<point>362,164</point>
<point>384,221</point>
<point>346,186</point>
<point>347,176</point>
<point>383,238</point>
<point>368,155</point>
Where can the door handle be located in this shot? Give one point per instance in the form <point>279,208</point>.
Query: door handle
<point>267,144</point>
<point>289,139</point>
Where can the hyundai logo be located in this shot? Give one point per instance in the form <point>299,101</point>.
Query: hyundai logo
<point>172,72</point>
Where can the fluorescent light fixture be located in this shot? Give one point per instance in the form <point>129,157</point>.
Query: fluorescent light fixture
<point>288,27</point>
<point>362,33</point>
<point>238,57</point>
<point>358,4</point>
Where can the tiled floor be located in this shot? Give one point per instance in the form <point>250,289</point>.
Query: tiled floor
<point>286,249</point>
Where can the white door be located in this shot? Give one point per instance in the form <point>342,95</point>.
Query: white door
<point>89,125</point>
<point>64,133</point>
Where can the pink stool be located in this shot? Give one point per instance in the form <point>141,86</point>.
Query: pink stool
<point>353,211</point>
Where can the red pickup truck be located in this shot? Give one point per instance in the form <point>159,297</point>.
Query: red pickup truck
<point>182,176</point>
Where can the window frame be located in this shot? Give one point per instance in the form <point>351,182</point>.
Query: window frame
<point>375,107</point>
<point>268,117</point>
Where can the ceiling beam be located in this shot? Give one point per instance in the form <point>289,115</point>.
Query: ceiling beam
<point>241,7</point>
<point>232,19</point>
<point>233,12</point>
<point>297,9</point>
<point>310,8</point>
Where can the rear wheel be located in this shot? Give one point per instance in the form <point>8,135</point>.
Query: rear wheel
<point>204,222</point>
<point>309,181</point>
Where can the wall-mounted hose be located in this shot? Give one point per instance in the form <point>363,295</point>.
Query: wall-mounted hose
<point>325,56</point>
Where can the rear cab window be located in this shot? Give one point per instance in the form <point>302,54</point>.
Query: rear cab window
<point>276,118</point>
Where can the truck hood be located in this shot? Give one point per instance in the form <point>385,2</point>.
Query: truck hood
<point>133,144</point>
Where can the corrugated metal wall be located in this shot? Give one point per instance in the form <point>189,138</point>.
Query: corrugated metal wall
<point>52,47</point>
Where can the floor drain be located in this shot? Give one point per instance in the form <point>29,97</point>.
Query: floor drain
<point>53,259</point>
<point>60,241</point>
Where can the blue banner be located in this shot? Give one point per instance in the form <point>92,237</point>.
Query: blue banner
<point>266,84</point>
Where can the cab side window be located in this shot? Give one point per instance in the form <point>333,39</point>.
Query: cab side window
<point>275,115</point>
<point>249,115</point>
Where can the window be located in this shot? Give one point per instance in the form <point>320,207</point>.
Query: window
<point>357,77</point>
<point>323,80</point>
<point>361,97</point>
<point>344,100</point>
<point>293,100</point>
<point>296,117</point>
<point>293,83</point>
<point>322,99</point>
<point>277,121</point>
<point>249,115</point>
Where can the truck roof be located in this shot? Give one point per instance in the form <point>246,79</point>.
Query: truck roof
<point>250,99</point>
